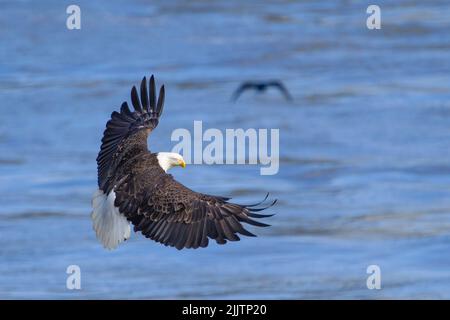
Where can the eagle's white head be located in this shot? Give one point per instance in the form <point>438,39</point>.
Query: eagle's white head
<point>168,160</point>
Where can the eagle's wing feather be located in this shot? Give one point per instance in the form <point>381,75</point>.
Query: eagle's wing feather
<point>127,131</point>
<point>172,214</point>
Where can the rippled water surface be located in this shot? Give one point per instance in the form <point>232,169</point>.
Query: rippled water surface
<point>364,147</point>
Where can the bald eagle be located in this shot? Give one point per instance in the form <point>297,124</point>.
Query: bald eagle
<point>133,187</point>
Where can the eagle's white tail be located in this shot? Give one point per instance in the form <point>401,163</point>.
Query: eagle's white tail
<point>110,225</point>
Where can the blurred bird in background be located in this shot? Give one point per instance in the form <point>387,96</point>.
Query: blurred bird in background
<point>261,86</point>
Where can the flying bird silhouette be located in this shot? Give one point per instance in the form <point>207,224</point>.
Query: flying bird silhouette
<point>261,86</point>
<point>133,187</point>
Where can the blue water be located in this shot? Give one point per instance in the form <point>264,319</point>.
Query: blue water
<point>364,148</point>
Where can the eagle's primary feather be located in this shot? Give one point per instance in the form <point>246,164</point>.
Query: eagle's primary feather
<point>156,204</point>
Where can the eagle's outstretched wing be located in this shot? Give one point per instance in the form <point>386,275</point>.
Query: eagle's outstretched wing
<point>126,132</point>
<point>280,86</point>
<point>170,213</point>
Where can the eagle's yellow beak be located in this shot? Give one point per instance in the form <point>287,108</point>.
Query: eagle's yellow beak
<point>182,163</point>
